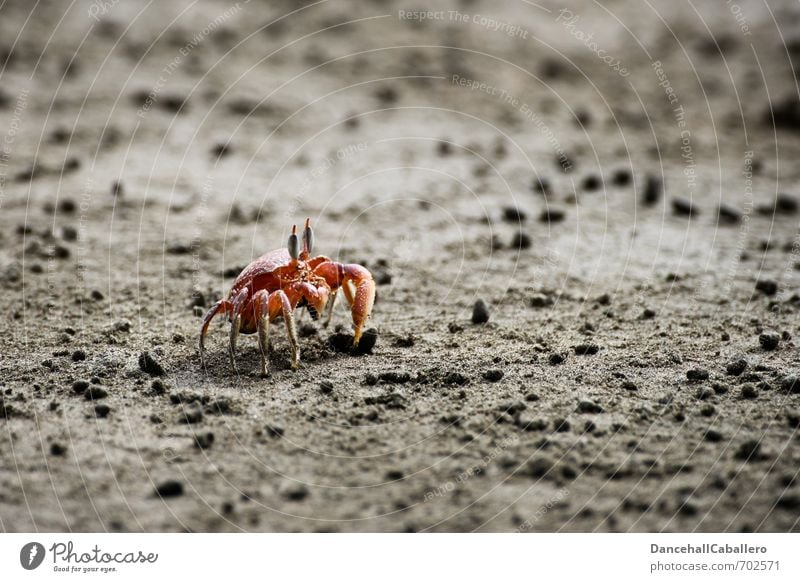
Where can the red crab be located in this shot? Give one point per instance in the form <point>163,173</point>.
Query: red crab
<point>279,282</point>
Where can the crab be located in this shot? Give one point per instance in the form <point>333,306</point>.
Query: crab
<point>281,281</point>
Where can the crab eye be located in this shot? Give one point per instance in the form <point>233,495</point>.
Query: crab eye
<point>308,239</point>
<point>294,246</point>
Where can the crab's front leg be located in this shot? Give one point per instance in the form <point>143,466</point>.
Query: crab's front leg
<point>338,275</point>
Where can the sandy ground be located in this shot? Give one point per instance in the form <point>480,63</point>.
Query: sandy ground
<point>637,372</point>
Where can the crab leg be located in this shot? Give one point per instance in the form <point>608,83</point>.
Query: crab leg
<point>236,322</point>
<point>261,307</point>
<point>338,275</point>
<point>221,306</point>
<point>288,319</point>
<point>331,303</point>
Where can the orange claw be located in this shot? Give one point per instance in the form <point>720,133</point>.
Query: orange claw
<point>364,297</point>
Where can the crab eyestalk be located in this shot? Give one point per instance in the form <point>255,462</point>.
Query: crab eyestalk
<point>308,240</point>
<point>293,244</point>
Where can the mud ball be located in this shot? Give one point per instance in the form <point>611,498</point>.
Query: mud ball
<point>652,190</point>
<point>769,340</point>
<point>102,410</point>
<point>169,488</point>
<point>697,375</point>
<point>480,312</point>
<point>343,342</point>
<point>521,241</point>
<point>149,365</point>
<point>368,340</point>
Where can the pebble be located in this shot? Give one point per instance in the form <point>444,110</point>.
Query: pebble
<point>552,214</point>
<point>790,384</point>
<point>294,491</point>
<point>78,356</point>
<point>275,431</point>
<point>697,375</point>
<point>556,359</point>
<point>736,367</point>
<point>769,340</point>
<point>149,365</point>
<point>749,450</point>
<point>521,241</point>
<point>589,407</point>
<point>591,183</point>
<point>95,393</point>
<point>191,413</point>
<point>586,349</point>
<point>704,393</point>
<point>713,436</point>
<point>786,204</point>
<point>539,300</point>
<point>683,207</point>
<point>169,488</point>
<point>652,190</point>
<point>514,214</point>
<point>621,177</point>
<point>326,386</point>
<point>102,410</point>
<point>561,425</point>
<point>493,375</point>
<point>749,392</point>
<point>648,313</point>
<point>80,386</point>
<point>767,287</point>
<point>57,449</point>
<point>629,386</point>
<point>480,312</point>
<point>541,185</point>
<point>728,214</point>
<point>204,440</point>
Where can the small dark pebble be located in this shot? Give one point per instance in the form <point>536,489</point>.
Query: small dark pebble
<point>769,340</point>
<point>102,410</point>
<point>204,440</point>
<point>727,214</point>
<point>493,375</point>
<point>514,214</point>
<point>561,425</point>
<point>629,386</point>
<point>456,378</point>
<point>57,449</point>
<point>589,407</point>
<point>150,365</point>
<point>652,190</point>
<point>713,436</point>
<point>95,393</point>
<point>480,312</point>
<point>648,314</point>
<point>621,177</point>
<point>586,349</point>
<point>736,367</point>
<point>556,359</point>
<point>704,393</point>
<point>591,183</point>
<point>80,386</point>
<point>552,214</point>
<point>749,392</point>
<point>767,287</point>
<point>275,431</point>
<point>326,387</point>
<point>521,241</point>
<point>157,387</point>
<point>170,488</point>
<point>683,207</point>
<point>749,450</point>
<point>295,492</point>
<point>343,342</point>
<point>697,375</point>
<point>790,384</point>
<point>786,204</point>
<point>539,300</point>
<point>191,413</point>
<point>78,356</point>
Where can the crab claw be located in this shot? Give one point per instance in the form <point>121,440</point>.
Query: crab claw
<point>363,299</point>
